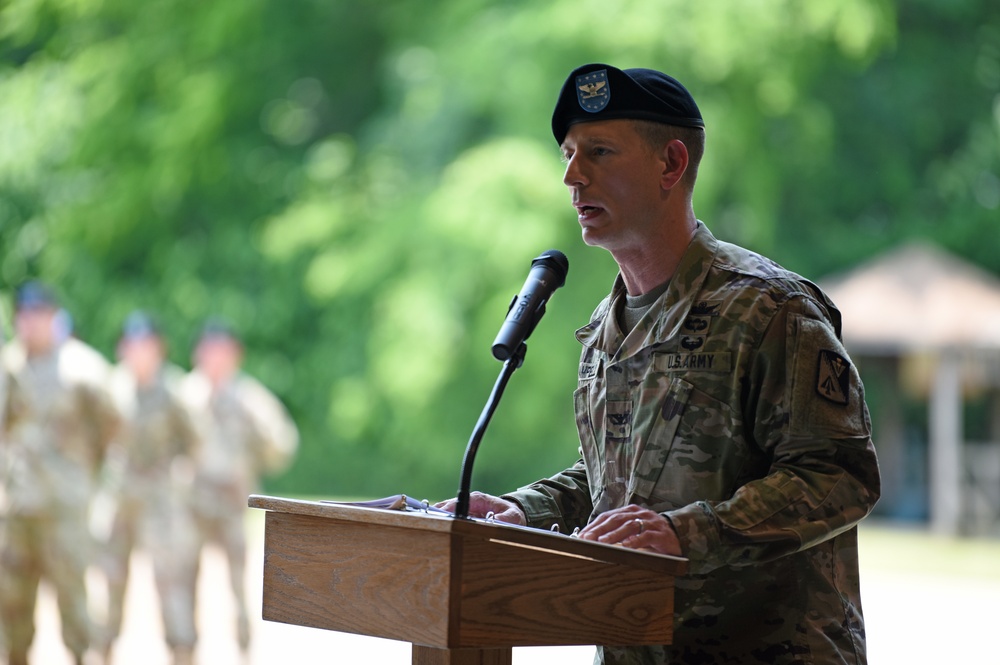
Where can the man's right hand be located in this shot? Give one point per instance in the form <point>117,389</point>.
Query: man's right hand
<point>480,505</point>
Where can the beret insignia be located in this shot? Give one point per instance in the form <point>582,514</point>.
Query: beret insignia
<point>593,91</point>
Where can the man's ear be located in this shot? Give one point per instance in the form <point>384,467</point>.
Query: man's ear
<point>675,163</point>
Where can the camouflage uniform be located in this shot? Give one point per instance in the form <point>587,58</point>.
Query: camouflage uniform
<point>12,409</point>
<point>732,409</point>
<point>245,432</point>
<point>150,481</point>
<point>52,456</point>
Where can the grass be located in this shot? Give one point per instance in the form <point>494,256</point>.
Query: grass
<point>889,547</point>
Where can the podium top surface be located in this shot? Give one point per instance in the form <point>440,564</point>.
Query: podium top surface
<point>476,528</point>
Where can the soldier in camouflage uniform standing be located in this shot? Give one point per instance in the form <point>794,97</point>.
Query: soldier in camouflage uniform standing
<point>7,392</point>
<point>719,416</point>
<point>12,409</point>
<point>53,456</point>
<point>149,477</point>
<point>246,433</point>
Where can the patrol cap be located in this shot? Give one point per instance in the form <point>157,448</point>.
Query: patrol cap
<point>602,92</point>
<point>218,328</point>
<point>138,325</point>
<point>35,295</point>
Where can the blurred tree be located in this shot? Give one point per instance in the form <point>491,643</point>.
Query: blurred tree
<point>145,145</point>
<point>361,189</point>
<point>909,145</point>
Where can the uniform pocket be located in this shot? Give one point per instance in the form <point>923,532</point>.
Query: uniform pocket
<point>657,442</point>
<point>698,454</point>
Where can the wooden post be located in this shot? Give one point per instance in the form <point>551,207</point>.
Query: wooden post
<point>946,442</point>
<point>432,656</point>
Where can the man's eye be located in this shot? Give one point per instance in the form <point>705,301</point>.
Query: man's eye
<point>597,152</point>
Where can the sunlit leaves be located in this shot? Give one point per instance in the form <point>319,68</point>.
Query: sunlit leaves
<point>500,199</point>
<point>305,225</point>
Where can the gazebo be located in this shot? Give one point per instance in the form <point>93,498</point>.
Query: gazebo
<point>928,322</point>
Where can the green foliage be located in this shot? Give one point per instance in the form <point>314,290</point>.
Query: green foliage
<point>360,188</point>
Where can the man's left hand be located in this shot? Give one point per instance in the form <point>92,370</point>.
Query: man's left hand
<point>635,527</point>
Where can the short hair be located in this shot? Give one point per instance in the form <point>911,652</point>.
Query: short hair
<point>658,134</point>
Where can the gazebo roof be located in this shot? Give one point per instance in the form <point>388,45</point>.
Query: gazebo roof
<point>917,297</point>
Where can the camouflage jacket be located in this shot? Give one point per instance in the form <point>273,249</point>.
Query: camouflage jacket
<point>13,407</point>
<point>246,432</point>
<point>53,452</point>
<point>157,433</point>
<point>733,410</point>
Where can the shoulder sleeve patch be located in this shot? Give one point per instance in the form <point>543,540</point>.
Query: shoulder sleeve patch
<point>833,377</point>
<point>826,397</point>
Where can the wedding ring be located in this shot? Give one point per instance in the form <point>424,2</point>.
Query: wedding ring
<point>640,524</point>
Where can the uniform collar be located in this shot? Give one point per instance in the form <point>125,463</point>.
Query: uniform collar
<point>665,317</point>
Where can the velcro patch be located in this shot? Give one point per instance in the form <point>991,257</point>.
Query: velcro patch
<point>833,378</point>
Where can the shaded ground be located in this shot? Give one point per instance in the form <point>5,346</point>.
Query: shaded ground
<point>926,600</point>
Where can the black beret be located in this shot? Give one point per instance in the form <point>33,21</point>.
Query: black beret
<point>602,92</point>
<point>35,295</point>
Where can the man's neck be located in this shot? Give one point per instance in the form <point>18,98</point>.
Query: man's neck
<point>39,351</point>
<point>654,263</point>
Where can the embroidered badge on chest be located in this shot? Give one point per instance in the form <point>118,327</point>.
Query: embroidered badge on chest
<point>833,380</point>
<point>692,342</point>
<point>699,319</point>
<point>696,324</point>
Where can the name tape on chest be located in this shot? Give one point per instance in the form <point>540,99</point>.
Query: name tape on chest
<point>721,361</point>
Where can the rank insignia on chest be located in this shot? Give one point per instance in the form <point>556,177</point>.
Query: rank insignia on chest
<point>833,377</point>
<point>618,421</point>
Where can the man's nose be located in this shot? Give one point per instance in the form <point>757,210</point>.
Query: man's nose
<point>574,176</point>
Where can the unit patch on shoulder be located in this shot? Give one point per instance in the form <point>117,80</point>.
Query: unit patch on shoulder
<point>833,378</point>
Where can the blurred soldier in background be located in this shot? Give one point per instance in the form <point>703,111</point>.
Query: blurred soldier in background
<point>148,481</point>
<point>53,456</point>
<point>246,432</point>
<point>6,393</point>
<point>12,408</point>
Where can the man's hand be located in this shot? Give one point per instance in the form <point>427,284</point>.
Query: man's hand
<point>482,504</point>
<point>635,527</point>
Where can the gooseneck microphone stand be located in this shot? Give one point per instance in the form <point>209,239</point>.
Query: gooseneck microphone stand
<point>509,365</point>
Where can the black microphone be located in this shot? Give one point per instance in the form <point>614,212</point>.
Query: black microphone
<point>548,273</point>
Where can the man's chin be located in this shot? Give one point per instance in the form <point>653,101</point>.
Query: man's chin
<point>594,237</point>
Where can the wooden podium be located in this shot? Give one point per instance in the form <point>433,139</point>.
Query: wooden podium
<point>463,592</point>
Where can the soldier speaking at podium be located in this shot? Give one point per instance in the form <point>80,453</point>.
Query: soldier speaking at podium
<point>719,416</point>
